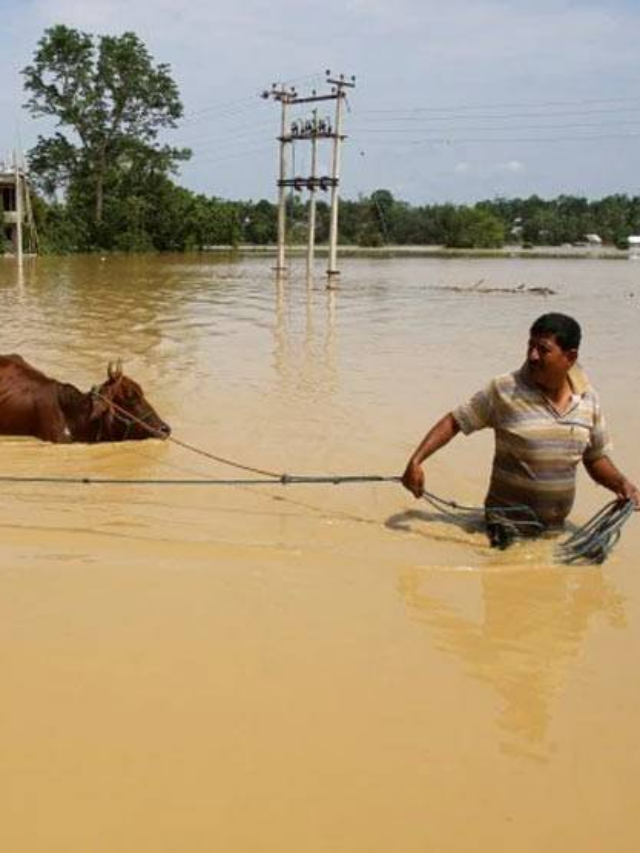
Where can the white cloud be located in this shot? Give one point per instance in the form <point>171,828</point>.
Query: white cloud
<point>511,166</point>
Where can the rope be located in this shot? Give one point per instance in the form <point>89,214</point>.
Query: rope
<point>503,524</point>
<point>591,543</point>
<point>275,480</point>
<point>223,460</point>
<point>125,415</point>
<point>594,541</point>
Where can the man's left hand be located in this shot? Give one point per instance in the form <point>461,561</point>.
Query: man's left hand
<point>630,492</point>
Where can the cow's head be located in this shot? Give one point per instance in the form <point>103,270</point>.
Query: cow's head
<point>123,412</point>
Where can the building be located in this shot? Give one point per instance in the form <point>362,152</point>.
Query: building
<point>16,220</point>
<point>633,242</point>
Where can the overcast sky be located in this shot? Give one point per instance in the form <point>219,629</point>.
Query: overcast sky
<point>455,101</point>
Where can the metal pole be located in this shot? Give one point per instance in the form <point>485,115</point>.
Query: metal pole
<point>312,194</point>
<point>332,270</point>
<point>18,211</point>
<point>282,192</point>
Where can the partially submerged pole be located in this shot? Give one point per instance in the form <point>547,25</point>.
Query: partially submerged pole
<point>286,96</point>
<point>19,211</point>
<point>339,84</point>
<point>312,194</point>
<point>282,192</point>
<point>332,269</point>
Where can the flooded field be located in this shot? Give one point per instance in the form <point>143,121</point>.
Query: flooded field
<point>308,668</point>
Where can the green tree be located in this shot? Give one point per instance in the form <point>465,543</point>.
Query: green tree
<point>473,227</point>
<point>111,101</point>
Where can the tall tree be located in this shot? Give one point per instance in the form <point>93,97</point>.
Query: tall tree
<point>110,101</point>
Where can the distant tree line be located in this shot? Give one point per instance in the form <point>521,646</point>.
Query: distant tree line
<point>158,215</point>
<point>104,181</point>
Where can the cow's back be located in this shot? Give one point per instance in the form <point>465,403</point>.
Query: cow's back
<point>28,398</point>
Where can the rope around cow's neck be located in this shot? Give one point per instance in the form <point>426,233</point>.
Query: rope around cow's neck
<point>124,415</point>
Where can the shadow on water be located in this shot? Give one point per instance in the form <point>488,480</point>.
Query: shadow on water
<point>405,521</point>
<point>413,521</point>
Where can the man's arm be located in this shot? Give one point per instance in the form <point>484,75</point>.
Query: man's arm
<point>604,472</point>
<point>439,435</point>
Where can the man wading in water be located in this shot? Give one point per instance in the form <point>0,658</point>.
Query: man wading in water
<point>546,418</point>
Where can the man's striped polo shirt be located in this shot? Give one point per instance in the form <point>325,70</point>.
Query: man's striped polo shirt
<point>537,447</point>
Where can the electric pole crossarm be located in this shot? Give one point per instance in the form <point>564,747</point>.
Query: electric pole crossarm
<point>341,81</point>
<point>315,183</point>
<point>294,137</point>
<point>314,98</point>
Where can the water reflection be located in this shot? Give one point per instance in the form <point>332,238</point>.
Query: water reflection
<point>305,348</point>
<point>519,633</point>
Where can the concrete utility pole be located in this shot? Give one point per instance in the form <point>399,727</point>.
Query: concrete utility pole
<point>312,194</point>
<point>311,131</point>
<point>339,85</point>
<point>19,209</point>
<point>286,96</point>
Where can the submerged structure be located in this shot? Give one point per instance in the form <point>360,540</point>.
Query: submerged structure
<point>17,229</point>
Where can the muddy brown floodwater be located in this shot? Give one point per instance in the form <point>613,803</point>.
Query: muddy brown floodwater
<point>308,668</point>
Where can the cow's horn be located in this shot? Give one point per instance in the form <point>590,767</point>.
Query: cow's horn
<point>114,371</point>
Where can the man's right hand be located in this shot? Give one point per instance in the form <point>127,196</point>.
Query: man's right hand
<point>439,435</point>
<point>413,479</point>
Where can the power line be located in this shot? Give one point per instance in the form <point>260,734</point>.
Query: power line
<point>454,141</point>
<point>229,132</point>
<point>514,105</point>
<point>215,159</point>
<point>228,136</point>
<point>502,128</point>
<point>402,117</point>
<point>250,106</point>
<point>228,107</point>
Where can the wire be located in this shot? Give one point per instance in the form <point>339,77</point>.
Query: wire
<point>498,128</point>
<point>451,140</point>
<point>212,160</point>
<point>235,106</point>
<point>512,105</point>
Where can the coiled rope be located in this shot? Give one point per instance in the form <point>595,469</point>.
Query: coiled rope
<point>594,541</point>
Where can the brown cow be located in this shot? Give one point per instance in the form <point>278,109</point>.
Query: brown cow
<point>33,404</point>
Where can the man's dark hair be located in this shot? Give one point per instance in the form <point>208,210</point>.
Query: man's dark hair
<point>564,329</point>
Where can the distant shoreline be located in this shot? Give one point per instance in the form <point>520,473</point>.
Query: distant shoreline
<point>608,253</point>
<point>542,252</point>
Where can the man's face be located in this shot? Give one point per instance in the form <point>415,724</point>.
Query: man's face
<point>548,363</point>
